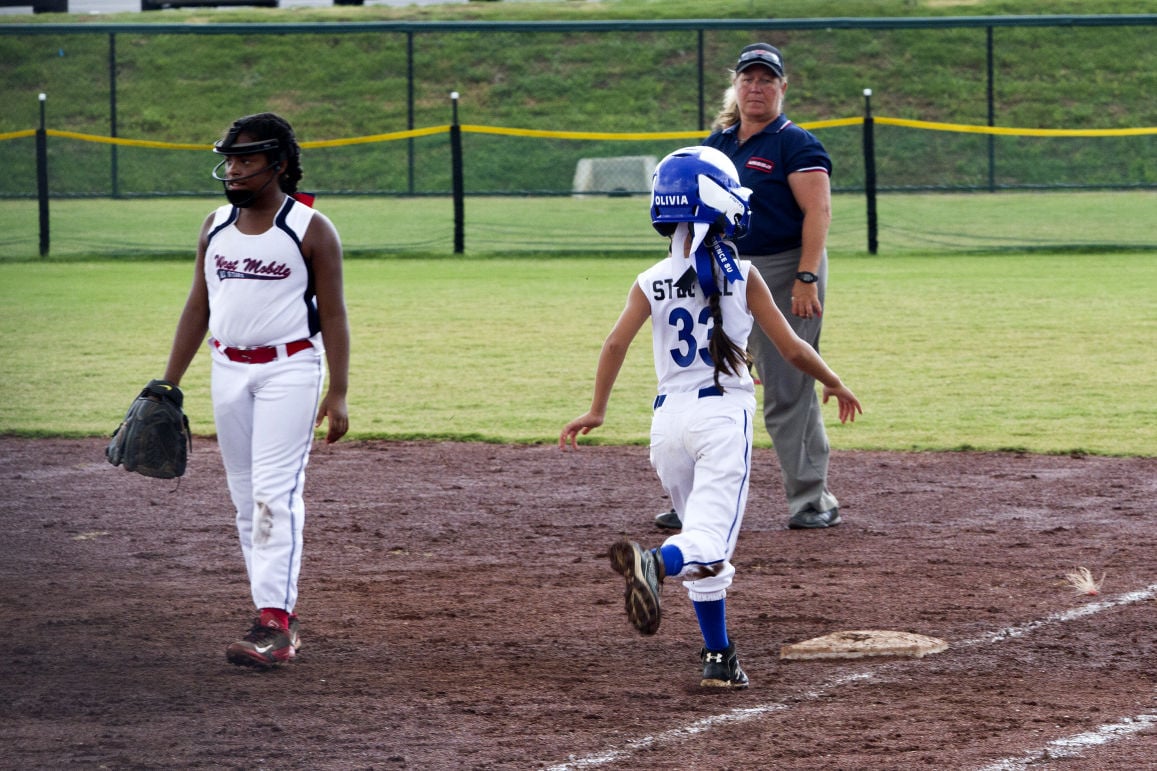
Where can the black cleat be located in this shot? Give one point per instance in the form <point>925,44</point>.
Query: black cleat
<point>263,647</point>
<point>643,570</point>
<point>721,669</point>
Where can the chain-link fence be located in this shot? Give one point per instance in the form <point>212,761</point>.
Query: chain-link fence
<point>344,81</point>
<point>559,109</point>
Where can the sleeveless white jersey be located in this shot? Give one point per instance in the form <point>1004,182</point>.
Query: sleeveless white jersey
<point>260,287</point>
<point>681,320</point>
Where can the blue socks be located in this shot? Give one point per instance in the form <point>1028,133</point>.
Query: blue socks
<point>672,560</point>
<point>713,623</point>
<point>712,615</point>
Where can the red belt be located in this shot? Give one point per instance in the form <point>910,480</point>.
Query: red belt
<point>263,354</point>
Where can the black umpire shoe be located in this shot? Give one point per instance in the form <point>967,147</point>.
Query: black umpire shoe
<point>721,668</point>
<point>668,520</point>
<point>810,519</point>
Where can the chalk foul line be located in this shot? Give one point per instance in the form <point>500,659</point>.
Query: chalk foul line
<point>1064,747</point>
<point>1074,746</point>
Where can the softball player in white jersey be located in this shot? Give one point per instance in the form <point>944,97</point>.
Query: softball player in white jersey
<point>702,302</point>
<point>268,290</point>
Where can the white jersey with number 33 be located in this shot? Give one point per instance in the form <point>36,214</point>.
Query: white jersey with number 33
<point>682,323</point>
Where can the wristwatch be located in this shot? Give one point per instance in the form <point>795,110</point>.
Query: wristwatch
<point>807,277</point>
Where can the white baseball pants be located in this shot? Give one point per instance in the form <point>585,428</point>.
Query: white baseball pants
<point>701,450</point>
<point>265,420</point>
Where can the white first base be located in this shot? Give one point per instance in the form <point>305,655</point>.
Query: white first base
<point>862,643</point>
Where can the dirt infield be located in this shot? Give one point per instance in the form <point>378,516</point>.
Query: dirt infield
<point>459,613</point>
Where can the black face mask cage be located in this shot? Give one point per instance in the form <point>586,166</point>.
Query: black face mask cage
<point>229,146</point>
<point>218,173</point>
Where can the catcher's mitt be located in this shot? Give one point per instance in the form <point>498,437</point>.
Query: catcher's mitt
<point>154,438</point>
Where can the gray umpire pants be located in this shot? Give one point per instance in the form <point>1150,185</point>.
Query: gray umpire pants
<point>791,408</point>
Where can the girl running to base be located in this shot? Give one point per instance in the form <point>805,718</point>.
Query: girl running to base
<point>702,302</point>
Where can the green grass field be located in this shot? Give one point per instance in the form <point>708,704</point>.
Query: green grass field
<point>341,83</point>
<point>963,332</point>
<point>1042,352</point>
<point>908,223</point>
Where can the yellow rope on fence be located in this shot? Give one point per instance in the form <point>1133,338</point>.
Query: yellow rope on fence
<point>422,132</point>
<point>125,142</point>
<point>471,129</point>
<point>605,135</point>
<point>1022,132</point>
<point>833,123</point>
<point>646,135</point>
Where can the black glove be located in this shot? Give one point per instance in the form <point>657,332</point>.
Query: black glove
<point>154,438</point>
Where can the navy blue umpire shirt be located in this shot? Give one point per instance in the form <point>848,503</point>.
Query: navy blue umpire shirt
<point>764,161</point>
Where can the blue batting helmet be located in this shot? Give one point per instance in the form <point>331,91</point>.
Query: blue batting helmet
<point>699,184</point>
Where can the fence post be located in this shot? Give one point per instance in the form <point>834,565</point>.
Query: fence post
<point>870,171</point>
<point>114,172</point>
<point>991,96</point>
<point>410,108</point>
<point>42,177</point>
<point>456,176</point>
<point>702,98</point>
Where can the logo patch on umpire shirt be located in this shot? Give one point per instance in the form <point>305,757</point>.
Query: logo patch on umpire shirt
<point>760,164</point>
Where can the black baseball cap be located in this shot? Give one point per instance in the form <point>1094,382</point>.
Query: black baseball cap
<point>760,53</point>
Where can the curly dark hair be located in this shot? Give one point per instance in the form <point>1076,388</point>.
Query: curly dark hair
<point>268,125</point>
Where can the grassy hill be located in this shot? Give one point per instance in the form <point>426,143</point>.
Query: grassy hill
<point>186,88</point>
<point>173,86</point>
